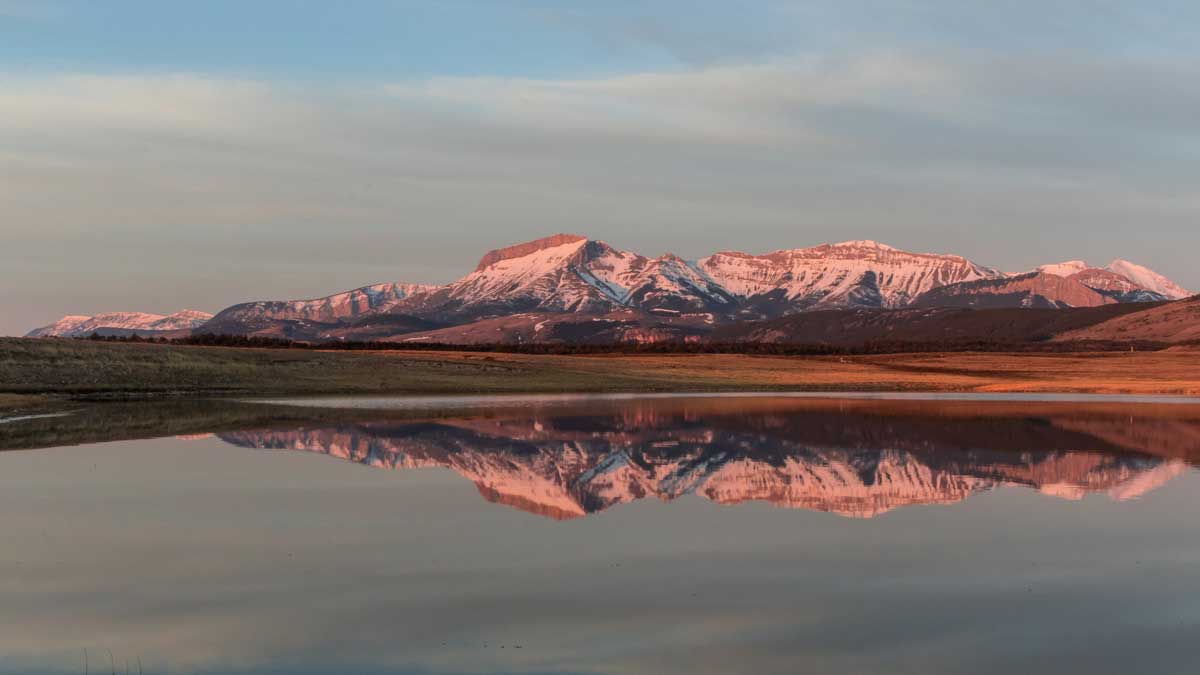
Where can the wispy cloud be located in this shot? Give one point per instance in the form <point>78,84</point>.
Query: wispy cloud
<point>889,118</point>
<point>930,150</point>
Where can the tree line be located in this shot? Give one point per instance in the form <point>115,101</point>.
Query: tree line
<point>869,347</point>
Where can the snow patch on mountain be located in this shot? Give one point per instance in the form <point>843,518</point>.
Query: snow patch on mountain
<point>1064,269</point>
<point>1149,279</point>
<point>81,325</point>
<point>847,274</point>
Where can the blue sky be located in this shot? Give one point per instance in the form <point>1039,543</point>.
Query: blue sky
<point>155,155</point>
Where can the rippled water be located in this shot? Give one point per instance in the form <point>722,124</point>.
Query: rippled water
<point>610,534</point>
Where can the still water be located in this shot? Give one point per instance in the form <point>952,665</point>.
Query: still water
<point>765,534</point>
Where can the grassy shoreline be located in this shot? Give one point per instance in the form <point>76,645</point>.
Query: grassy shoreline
<point>37,373</point>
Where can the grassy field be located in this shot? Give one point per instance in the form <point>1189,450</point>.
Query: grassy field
<point>80,369</point>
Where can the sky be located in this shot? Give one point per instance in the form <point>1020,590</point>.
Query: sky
<point>161,155</point>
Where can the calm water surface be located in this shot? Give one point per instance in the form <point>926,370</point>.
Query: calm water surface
<point>604,535</point>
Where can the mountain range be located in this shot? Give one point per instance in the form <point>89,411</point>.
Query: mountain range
<point>119,323</point>
<point>570,288</point>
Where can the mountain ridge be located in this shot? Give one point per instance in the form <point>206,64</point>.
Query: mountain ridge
<point>144,322</point>
<point>573,275</point>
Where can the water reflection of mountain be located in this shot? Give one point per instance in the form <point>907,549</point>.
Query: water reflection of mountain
<point>850,462</point>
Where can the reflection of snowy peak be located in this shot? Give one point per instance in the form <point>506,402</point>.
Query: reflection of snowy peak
<point>574,466</point>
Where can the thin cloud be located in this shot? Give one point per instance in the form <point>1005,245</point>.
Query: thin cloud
<point>938,151</point>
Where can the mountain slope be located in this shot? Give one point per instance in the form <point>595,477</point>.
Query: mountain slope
<point>276,316</point>
<point>1177,321</point>
<point>77,326</point>
<point>856,327</point>
<point>1033,290</point>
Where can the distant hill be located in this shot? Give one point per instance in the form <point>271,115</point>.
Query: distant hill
<point>122,323</point>
<point>1172,322</point>
<point>848,328</point>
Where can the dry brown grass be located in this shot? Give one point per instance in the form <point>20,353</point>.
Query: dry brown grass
<point>83,368</point>
<point>1168,372</point>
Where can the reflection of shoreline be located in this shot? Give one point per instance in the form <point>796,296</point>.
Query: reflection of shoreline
<point>853,463</point>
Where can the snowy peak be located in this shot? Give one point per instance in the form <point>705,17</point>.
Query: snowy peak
<point>1064,269</point>
<point>1073,283</point>
<point>569,273</point>
<point>1116,286</point>
<point>863,244</point>
<point>187,318</point>
<point>564,243</point>
<point>80,325</point>
<point>857,273</point>
<point>1148,279</point>
<point>550,274</point>
<point>329,309</point>
<point>1121,280</point>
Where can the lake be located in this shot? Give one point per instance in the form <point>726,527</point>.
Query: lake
<point>608,534</point>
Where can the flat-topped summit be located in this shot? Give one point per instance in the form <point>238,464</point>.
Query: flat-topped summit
<point>863,243</point>
<point>521,250</point>
<point>77,325</point>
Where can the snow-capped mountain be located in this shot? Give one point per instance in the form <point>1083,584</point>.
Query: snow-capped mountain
<point>522,286</point>
<point>849,274</point>
<point>1149,279</point>
<point>570,273</point>
<point>1063,269</point>
<point>76,326</point>
<point>666,297</point>
<point>252,317</point>
<point>1073,283</point>
<point>1117,286</point>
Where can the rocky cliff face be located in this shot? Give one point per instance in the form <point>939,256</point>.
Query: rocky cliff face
<point>849,274</point>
